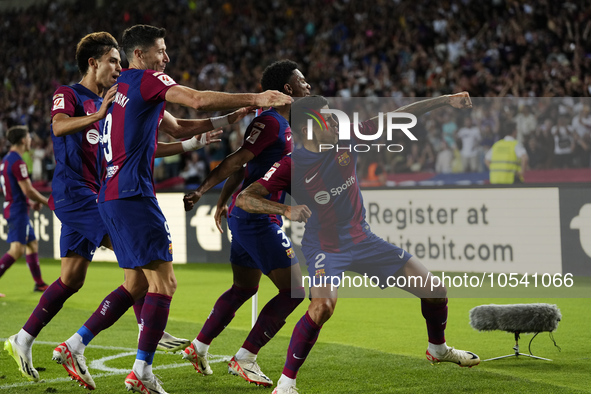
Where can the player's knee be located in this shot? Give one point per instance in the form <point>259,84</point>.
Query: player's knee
<point>321,310</point>
<point>16,250</point>
<point>170,286</point>
<point>173,284</point>
<point>438,292</point>
<point>33,247</point>
<point>74,282</point>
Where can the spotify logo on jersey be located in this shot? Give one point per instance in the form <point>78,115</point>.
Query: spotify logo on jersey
<point>322,197</point>
<point>92,136</point>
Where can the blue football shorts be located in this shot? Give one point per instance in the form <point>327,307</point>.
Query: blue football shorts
<point>260,244</point>
<point>138,230</point>
<point>82,228</point>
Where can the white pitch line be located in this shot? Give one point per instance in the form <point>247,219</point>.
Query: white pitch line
<point>109,371</point>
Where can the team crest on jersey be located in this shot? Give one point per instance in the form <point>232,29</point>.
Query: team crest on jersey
<point>344,159</point>
<point>254,134</point>
<point>320,272</point>
<point>290,253</point>
<point>92,137</point>
<point>170,248</point>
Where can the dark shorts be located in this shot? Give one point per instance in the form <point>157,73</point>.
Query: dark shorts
<point>82,228</point>
<point>20,229</point>
<point>138,231</point>
<point>260,244</point>
<point>372,256</point>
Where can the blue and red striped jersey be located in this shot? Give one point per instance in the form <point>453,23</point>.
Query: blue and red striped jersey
<point>76,173</point>
<point>327,183</point>
<point>130,132</point>
<point>269,138</point>
<point>12,170</point>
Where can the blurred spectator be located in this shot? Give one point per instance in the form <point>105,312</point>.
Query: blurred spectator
<point>486,142</point>
<point>427,157</point>
<point>470,136</point>
<point>444,159</point>
<point>537,156</point>
<point>564,143</point>
<point>414,160</point>
<point>449,128</point>
<point>38,156</point>
<point>582,126</point>
<point>507,160</point>
<point>526,123</point>
<point>196,169</point>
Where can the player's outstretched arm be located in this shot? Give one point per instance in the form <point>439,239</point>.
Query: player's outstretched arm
<point>458,100</point>
<point>228,166</point>
<point>63,124</point>
<point>217,101</point>
<point>31,192</point>
<point>164,149</point>
<point>231,185</point>
<point>183,128</point>
<point>252,199</point>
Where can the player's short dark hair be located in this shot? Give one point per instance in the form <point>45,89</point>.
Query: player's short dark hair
<point>16,134</point>
<point>93,45</point>
<point>140,36</point>
<point>302,105</point>
<point>277,74</point>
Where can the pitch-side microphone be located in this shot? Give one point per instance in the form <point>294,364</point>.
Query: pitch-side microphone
<point>517,319</point>
<point>522,318</point>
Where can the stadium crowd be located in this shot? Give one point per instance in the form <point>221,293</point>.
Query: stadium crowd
<point>401,48</point>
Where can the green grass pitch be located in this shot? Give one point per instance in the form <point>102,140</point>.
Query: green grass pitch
<point>369,346</point>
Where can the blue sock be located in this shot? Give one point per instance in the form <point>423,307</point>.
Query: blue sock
<point>86,335</point>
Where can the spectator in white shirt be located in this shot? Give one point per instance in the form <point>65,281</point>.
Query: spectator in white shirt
<point>470,136</point>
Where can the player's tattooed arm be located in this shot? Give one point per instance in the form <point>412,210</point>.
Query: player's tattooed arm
<point>458,100</point>
<point>252,199</point>
<point>63,124</point>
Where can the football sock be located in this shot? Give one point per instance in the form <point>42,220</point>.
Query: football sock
<point>223,312</point>
<point>285,382</point>
<point>5,262</point>
<point>137,309</point>
<point>33,263</point>
<point>25,340</point>
<point>200,347</point>
<point>436,318</point>
<point>155,316</point>
<point>244,354</point>
<point>76,341</point>
<point>437,350</point>
<point>142,369</point>
<point>49,305</point>
<point>108,312</point>
<point>272,318</point>
<point>303,338</point>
